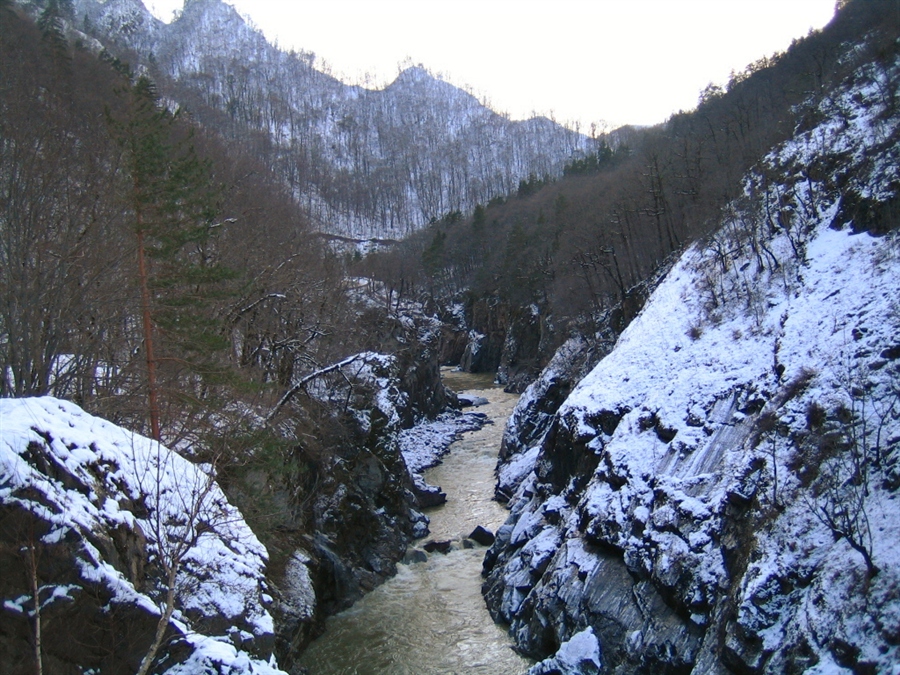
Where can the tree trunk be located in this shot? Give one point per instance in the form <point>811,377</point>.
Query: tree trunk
<point>148,334</point>
<point>163,623</point>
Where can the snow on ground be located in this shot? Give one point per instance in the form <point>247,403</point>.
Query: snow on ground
<point>85,477</point>
<point>425,444</point>
<point>761,378</point>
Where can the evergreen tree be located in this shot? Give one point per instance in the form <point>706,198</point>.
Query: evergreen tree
<point>50,23</point>
<point>479,217</point>
<point>173,204</point>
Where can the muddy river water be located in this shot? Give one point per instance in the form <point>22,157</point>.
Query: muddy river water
<point>430,619</point>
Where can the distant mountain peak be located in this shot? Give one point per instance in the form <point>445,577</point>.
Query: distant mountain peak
<point>417,73</point>
<point>364,163</point>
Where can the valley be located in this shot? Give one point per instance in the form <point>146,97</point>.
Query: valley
<point>248,315</point>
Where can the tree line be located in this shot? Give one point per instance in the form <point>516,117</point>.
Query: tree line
<point>576,246</point>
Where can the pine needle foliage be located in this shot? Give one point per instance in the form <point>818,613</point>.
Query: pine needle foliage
<point>173,203</point>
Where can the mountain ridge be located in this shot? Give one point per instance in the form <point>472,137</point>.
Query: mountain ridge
<point>364,162</point>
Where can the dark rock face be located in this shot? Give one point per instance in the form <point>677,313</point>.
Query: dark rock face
<point>512,342</point>
<point>532,420</point>
<point>360,502</point>
<point>419,365</point>
<point>519,342</point>
<point>363,513</point>
<point>77,631</point>
<point>476,357</point>
<point>524,350</point>
<point>631,620</point>
<point>488,320</point>
<point>453,345</point>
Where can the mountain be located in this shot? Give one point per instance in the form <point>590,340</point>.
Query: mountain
<point>715,495</point>
<point>365,162</point>
<point>718,494</point>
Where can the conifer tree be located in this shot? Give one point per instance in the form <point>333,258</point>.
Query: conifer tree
<point>173,204</point>
<point>50,23</point>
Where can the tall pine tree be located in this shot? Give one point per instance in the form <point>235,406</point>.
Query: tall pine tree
<point>173,202</point>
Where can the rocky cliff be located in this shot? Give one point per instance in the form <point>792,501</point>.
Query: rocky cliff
<point>347,503</point>
<point>102,530</point>
<point>719,493</point>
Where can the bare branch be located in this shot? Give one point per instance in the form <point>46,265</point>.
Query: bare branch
<point>290,393</point>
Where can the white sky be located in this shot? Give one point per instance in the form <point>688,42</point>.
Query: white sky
<point>612,61</point>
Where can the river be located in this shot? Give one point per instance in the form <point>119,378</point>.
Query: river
<point>430,619</point>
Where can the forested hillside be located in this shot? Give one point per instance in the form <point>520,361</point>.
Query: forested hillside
<point>365,162</point>
<point>571,256</point>
<point>169,282</point>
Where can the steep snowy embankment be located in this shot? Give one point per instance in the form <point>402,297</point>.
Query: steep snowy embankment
<point>720,492</point>
<point>96,518</point>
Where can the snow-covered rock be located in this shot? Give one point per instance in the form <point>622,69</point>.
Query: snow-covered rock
<point>579,655</point>
<point>96,518</point>
<point>532,417</point>
<point>719,493</point>
<point>424,444</point>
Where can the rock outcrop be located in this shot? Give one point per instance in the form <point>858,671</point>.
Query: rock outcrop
<point>718,494</point>
<point>97,526</point>
<point>356,507</point>
<point>355,502</point>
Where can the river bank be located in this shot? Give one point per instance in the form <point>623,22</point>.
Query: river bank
<point>431,618</point>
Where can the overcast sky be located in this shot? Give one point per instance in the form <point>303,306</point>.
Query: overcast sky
<point>603,61</point>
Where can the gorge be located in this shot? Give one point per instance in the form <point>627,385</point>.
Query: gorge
<point>431,616</point>
<point>702,318</point>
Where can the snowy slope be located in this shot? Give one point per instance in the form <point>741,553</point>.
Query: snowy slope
<point>707,496</point>
<point>365,161</point>
<point>106,511</point>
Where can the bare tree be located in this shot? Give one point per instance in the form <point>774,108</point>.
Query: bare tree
<point>845,448</point>
<point>839,501</point>
<point>32,566</point>
<point>184,504</point>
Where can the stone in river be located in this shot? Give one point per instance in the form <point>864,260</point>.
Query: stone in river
<point>439,546</point>
<point>482,536</point>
